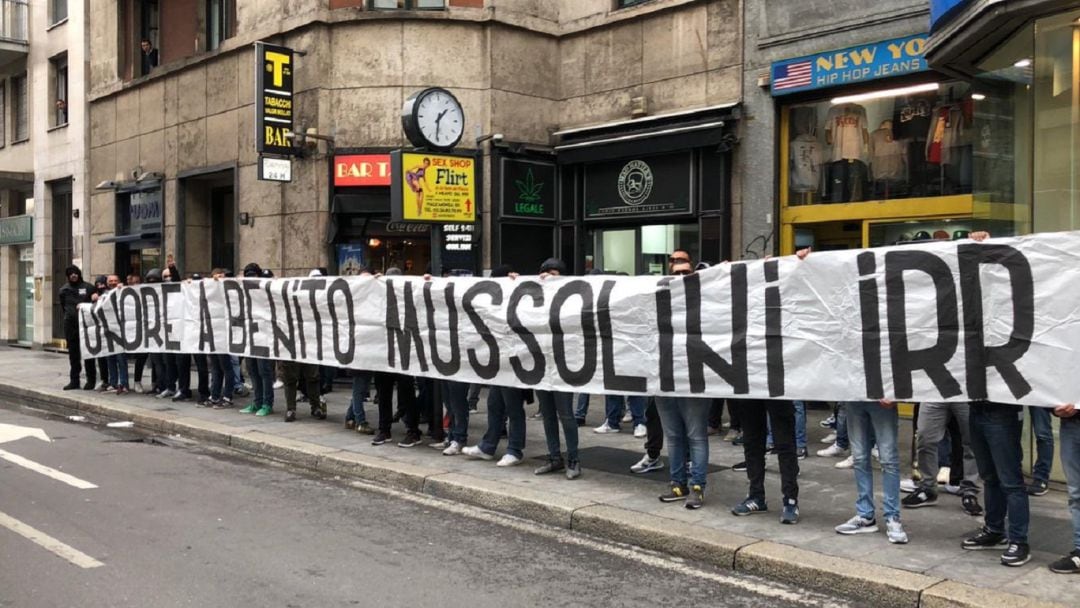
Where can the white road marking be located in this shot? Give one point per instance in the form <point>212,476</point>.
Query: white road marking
<point>61,476</point>
<point>12,432</point>
<point>67,552</point>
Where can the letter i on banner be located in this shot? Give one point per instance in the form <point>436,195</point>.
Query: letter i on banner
<point>871,325</point>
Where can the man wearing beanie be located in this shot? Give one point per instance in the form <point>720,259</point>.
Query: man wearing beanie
<point>76,291</point>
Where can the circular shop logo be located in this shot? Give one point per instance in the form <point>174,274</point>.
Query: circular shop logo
<point>635,183</point>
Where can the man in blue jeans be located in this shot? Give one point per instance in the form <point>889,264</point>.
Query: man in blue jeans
<point>1044,450</point>
<point>869,422</point>
<point>1070,461</point>
<point>996,432</point>
<point>615,406</point>
<point>504,403</point>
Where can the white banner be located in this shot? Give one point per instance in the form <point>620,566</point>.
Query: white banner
<point>940,321</point>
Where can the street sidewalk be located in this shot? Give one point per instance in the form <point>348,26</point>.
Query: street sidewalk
<point>609,502</point>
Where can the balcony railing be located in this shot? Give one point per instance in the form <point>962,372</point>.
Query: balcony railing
<point>14,20</point>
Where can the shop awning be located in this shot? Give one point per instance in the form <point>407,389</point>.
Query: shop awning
<point>131,238</point>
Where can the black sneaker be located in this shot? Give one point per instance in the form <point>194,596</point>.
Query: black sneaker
<point>581,422</point>
<point>675,493</point>
<point>738,440</point>
<point>971,506</point>
<point>790,514</point>
<point>1016,555</point>
<point>1037,488</point>
<point>412,439</point>
<point>70,386</point>
<point>290,416</point>
<point>1070,564</point>
<point>739,466</point>
<point>921,498</point>
<point>89,386</point>
<point>984,540</point>
<point>749,507</point>
<point>380,438</point>
<point>551,466</point>
<point>801,453</point>
<point>696,498</point>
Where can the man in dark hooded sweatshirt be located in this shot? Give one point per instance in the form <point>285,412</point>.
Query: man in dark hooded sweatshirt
<point>76,291</point>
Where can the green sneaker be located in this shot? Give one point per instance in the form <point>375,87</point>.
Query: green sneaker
<point>251,409</point>
<point>265,410</point>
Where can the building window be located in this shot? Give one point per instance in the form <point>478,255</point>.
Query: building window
<point>59,9</point>
<point>20,111</point>
<point>628,3</point>
<point>406,4</point>
<point>219,22</point>
<point>59,70</point>
<point>3,113</point>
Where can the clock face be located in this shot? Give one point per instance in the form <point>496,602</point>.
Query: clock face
<point>440,119</point>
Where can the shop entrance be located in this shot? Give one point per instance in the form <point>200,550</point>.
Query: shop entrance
<point>639,250</point>
<point>26,295</point>
<point>380,244</point>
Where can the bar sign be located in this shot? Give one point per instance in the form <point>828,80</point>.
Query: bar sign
<point>274,103</point>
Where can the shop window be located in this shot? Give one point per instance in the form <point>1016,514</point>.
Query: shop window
<point>906,142</point>
<point>58,86</point>
<point>20,111</point>
<point>526,246</point>
<point>406,4</point>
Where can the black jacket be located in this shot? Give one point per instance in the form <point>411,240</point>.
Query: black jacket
<point>73,294</point>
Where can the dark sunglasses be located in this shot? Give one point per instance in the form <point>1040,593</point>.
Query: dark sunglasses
<point>682,272</point>
<point>677,260</point>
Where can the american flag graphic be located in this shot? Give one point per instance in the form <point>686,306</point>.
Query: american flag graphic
<point>792,75</point>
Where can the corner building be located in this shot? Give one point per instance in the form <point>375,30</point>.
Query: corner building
<point>564,100</point>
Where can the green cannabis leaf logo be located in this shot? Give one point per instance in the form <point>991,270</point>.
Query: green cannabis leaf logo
<point>529,190</point>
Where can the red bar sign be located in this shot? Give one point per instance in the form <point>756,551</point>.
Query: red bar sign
<point>362,170</point>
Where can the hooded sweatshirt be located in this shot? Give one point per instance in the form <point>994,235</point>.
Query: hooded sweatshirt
<point>74,293</point>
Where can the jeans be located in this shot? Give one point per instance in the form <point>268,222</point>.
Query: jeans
<point>360,384</point>
<point>118,370</point>
<point>262,381</point>
<point>615,406</point>
<point>221,377</point>
<point>558,407</point>
<point>654,438</point>
<point>756,415</point>
<point>800,427</point>
<point>456,397</point>
<point>238,373</point>
<point>1044,442</point>
<point>406,400</point>
<point>505,403</point>
<point>582,409</point>
<point>1070,461</point>
<point>843,440</point>
<point>474,396</point>
<point>686,425</point>
<point>933,422</point>
<point>868,423</point>
<point>996,431</point>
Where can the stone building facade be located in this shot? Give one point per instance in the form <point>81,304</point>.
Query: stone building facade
<point>172,150</point>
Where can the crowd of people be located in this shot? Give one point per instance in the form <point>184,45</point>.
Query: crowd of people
<point>979,441</point>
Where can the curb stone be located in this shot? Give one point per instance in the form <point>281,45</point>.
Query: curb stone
<point>882,585</point>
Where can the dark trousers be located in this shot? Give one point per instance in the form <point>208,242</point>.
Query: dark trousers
<point>178,370</point>
<point>140,365</point>
<point>755,415</point>
<point>996,441</point>
<point>103,369</point>
<point>846,181</point>
<point>160,373</point>
<point>456,397</point>
<point>71,334</point>
<point>406,397</point>
<point>202,373</point>
<point>654,438</point>
<point>221,377</point>
<point>716,414</point>
<point>301,374</point>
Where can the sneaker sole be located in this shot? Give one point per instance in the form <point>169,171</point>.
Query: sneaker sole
<point>665,499</point>
<point>1070,571</point>
<point>897,541</point>
<point>694,507</point>
<point>871,530</point>
<point>748,513</point>
<point>647,470</point>
<point>919,505</point>
<point>789,522</point>
<point>984,547</point>
<point>1016,564</point>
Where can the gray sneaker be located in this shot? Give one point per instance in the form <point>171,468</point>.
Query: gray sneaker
<point>895,531</point>
<point>857,525</point>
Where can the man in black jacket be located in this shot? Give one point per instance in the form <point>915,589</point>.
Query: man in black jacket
<point>75,292</point>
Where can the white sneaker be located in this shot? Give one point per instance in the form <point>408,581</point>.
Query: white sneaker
<point>439,445</point>
<point>474,451</point>
<point>165,394</point>
<point>647,464</point>
<point>139,388</point>
<point>857,525</point>
<point>453,449</point>
<point>943,475</point>
<point>640,431</point>
<point>278,384</point>
<point>833,451</point>
<point>178,393</point>
<point>908,486</point>
<point>846,463</point>
<point>508,460</point>
<point>895,531</point>
<point>830,438</point>
<point>951,489</point>
<point>628,416</point>
<point>603,429</point>
<point>875,454</point>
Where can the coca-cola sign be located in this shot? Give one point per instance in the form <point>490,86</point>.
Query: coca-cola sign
<point>407,228</point>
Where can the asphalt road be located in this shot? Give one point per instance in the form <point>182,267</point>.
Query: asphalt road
<point>178,524</point>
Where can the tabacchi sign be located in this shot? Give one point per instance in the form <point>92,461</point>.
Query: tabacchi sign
<point>274,98</point>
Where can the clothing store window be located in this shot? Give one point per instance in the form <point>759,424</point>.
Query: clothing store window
<point>904,142</point>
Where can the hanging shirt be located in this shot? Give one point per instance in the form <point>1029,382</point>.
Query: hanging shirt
<point>846,123</point>
<point>946,133</point>
<point>911,115</point>
<point>805,163</point>
<point>888,157</point>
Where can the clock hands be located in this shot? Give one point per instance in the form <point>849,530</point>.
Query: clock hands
<point>438,121</point>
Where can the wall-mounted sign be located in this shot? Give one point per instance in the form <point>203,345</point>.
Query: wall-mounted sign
<point>275,169</point>
<point>274,98</point>
<point>850,66</point>
<point>528,189</point>
<point>434,188</point>
<point>144,212</point>
<point>650,185</point>
<point>17,230</point>
<point>459,249</point>
<point>362,170</point>
<point>350,259</point>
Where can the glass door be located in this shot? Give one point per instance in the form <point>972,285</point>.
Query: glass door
<point>642,249</point>
<point>26,295</point>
